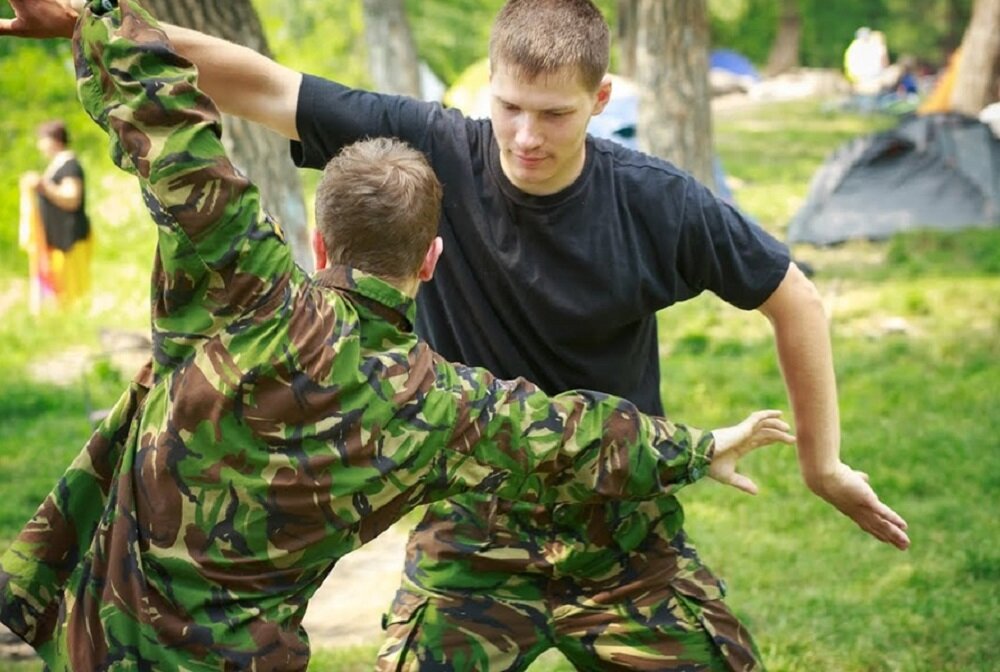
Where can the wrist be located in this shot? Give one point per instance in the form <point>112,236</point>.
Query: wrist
<point>818,479</point>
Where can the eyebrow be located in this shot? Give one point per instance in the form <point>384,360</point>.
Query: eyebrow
<point>564,108</point>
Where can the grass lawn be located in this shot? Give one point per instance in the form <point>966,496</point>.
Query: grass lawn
<point>916,330</point>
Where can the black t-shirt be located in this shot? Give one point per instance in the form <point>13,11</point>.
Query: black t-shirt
<point>560,289</point>
<point>64,228</point>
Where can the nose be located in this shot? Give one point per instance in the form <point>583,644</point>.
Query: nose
<point>529,135</point>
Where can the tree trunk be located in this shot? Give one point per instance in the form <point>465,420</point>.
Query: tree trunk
<point>262,155</point>
<point>675,116</point>
<point>628,16</point>
<point>976,80</point>
<point>392,53</point>
<point>785,51</point>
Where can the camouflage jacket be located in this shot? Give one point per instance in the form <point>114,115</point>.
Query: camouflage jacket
<point>283,421</point>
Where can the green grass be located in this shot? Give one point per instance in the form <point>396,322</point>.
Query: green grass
<point>916,330</point>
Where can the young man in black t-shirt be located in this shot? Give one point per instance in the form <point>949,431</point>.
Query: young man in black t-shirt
<point>560,250</point>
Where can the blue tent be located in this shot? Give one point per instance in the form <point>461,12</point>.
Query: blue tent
<point>734,63</point>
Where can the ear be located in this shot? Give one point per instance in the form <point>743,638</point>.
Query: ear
<point>603,95</point>
<point>319,250</point>
<point>426,271</point>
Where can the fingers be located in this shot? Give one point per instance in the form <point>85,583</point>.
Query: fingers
<point>882,522</point>
<point>887,531</point>
<point>741,482</point>
<point>767,431</point>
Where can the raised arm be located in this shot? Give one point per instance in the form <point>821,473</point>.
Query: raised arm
<point>804,350</point>
<point>219,256</point>
<point>241,81</point>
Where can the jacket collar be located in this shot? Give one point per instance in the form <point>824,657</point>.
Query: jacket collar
<point>376,294</point>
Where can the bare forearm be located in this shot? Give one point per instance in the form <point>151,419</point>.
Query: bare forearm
<point>241,81</point>
<point>805,353</point>
<point>800,326</point>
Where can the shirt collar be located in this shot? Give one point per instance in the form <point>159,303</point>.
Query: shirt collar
<point>390,303</point>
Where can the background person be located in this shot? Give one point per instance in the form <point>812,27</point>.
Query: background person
<point>55,229</point>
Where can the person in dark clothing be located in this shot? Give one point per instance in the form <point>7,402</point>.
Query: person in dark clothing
<point>55,229</point>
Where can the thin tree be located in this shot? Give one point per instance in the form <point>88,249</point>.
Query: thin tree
<point>392,52</point>
<point>627,33</point>
<point>258,152</point>
<point>784,53</point>
<point>671,61</point>
<point>976,80</point>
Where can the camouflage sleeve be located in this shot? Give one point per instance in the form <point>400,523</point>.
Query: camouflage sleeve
<point>574,447</point>
<point>219,256</point>
<point>41,560</point>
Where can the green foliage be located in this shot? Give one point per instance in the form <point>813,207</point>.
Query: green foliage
<point>748,26</point>
<point>323,37</point>
<point>927,30</point>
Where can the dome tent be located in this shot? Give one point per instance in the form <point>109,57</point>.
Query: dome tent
<point>939,171</point>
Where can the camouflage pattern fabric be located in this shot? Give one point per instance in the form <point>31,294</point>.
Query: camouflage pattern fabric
<point>283,421</point>
<point>660,609</point>
<point>563,564</point>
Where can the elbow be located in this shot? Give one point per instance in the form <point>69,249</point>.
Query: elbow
<point>796,298</point>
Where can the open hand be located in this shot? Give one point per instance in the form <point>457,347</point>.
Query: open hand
<point>849,491</point>
<point>731,443</point>
<point>40,18</point>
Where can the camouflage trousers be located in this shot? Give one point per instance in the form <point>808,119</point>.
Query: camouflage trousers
<point>665,611</point>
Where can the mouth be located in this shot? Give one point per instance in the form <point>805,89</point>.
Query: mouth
<point>528,161</point>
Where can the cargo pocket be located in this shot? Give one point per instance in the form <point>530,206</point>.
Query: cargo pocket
<point>700,593</point>
<point>401,625</point>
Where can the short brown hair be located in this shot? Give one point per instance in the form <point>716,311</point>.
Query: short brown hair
<point>536,37</point>
<point>377,208</point>
<point>55,130</point>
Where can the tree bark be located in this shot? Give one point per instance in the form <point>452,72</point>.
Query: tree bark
<point>785,51</point>
<point>976,80</point>
<point>675,116</point>
<point>628,17</point>
<point>261,154</point>
<point>392,52</point>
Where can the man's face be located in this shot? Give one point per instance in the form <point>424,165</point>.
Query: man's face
<point>541,126</point>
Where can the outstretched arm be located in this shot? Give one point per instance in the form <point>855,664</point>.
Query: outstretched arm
<point>577,446</point>
<point>804,350</point>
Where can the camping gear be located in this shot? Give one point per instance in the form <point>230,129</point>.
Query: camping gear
<point>938,171</point>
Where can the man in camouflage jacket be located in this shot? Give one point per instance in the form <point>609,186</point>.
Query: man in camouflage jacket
<point>283,420</point>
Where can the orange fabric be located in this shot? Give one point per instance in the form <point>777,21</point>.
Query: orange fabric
<point>939,99</point>
<point>54,276</point>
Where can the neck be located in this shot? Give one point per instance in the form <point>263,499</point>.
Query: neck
<point>408,286</point>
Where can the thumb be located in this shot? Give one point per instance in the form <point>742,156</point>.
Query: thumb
<point>741,482</point>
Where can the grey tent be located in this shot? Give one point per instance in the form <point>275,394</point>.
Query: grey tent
<point>938,171</point>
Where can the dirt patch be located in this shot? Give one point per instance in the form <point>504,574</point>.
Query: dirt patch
<point>347,609</point>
